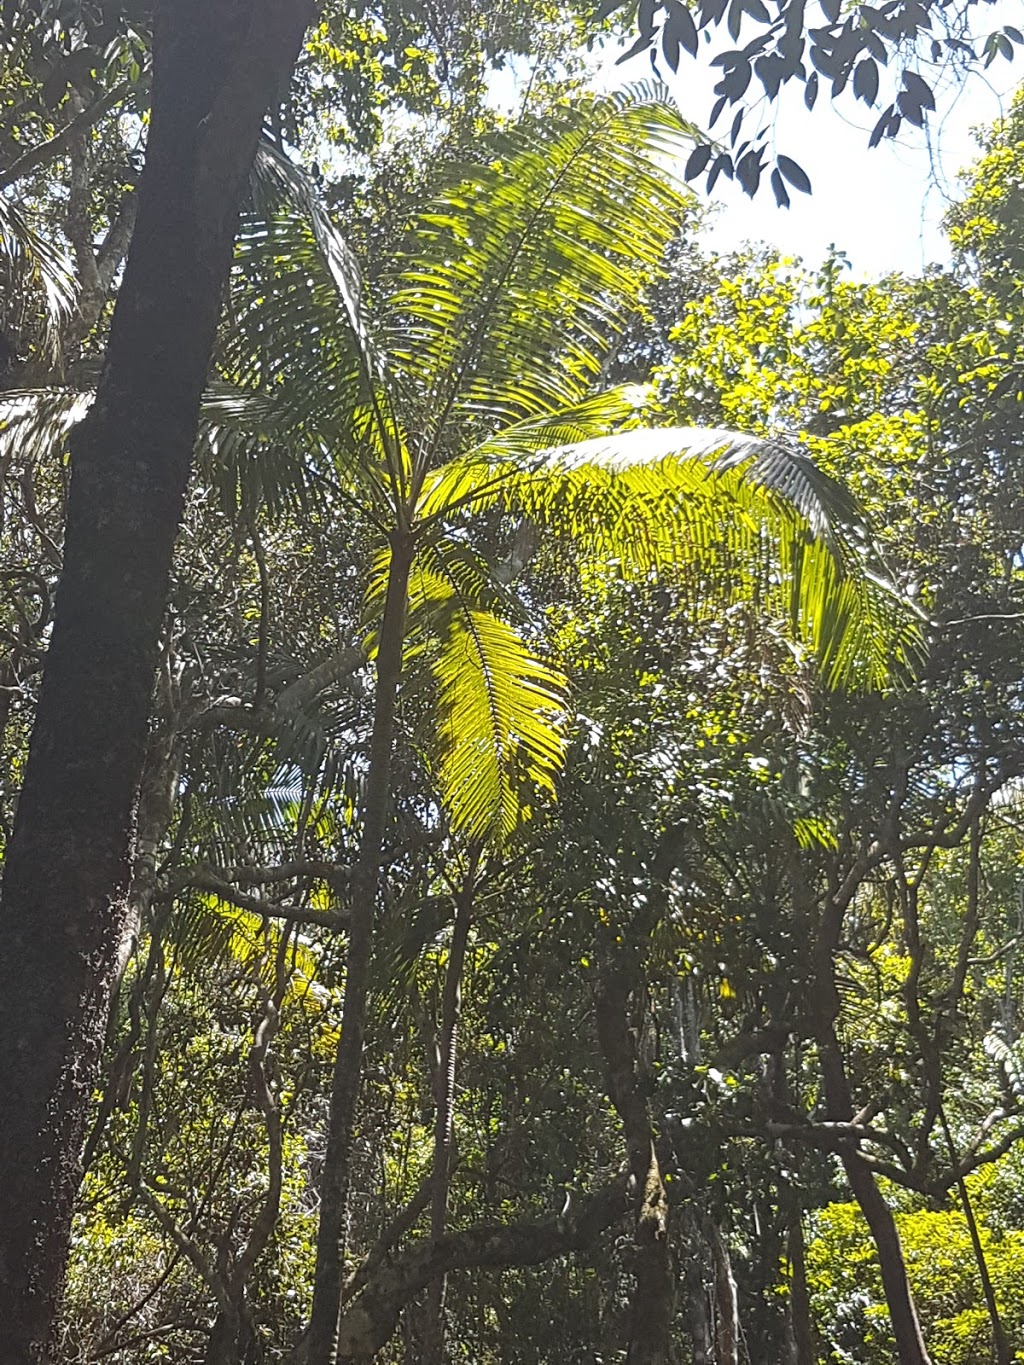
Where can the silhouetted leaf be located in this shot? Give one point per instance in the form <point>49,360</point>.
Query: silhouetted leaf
<point>919,90</point>
<point>748,173</point>
<point>779,190</point>
<point>865,81</point>
<point>697,161</point>
<point>681,27</point>
<point>795,174</point>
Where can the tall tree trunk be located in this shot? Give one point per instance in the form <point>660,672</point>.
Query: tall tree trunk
<point>217,64</point>
<point>1001,1348</point>
<point>321,1342</point>
<point>654,1293</point>
<point>727,1322</point>
<point>910,1345</point>
<point>801,1321</point>
<point>433,1336</point>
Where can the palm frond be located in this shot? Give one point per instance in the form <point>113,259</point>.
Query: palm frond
<point>301,330</point>
<point>276,183</point>
<point>496,728</point>
<point>501,724</point>
<point>463,480</point>
<point>35,422</point>
<point>521,272</point>
<point>206,930</point>
<point>33,262</point>
<point>756,517</point>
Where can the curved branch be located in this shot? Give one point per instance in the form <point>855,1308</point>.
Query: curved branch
<point>370,1318</point>
<point>44,152</point>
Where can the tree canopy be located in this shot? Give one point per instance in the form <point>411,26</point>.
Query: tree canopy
<point>562,897</point>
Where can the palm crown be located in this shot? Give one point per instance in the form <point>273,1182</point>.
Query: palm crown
<point>467,384</point>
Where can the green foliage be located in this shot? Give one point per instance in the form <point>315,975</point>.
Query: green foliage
<point>847,1289</point>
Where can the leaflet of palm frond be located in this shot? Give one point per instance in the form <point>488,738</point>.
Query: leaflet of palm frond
<point>277,182</point>
<point>300,328</point>
<point>502,724</point>
<point>37,263</point>
<point>257,449</point>
<point>206,932</point>
<point>246,808</point>
<point>245,451</point>
<point>519,275</point>
<point>462,482</point>
<point>35,422</point>
<point>402,940</point>
<point>722,502</point>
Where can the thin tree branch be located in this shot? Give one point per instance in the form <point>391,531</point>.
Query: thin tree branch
<point>44,152</point>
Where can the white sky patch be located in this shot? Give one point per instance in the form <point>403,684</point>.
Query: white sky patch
<point>882,206</point>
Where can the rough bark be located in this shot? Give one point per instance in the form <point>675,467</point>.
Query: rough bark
<point>217,65</point>
<point>321,1346</point>
<point>654,1294</point>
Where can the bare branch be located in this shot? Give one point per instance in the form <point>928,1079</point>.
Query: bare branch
<point>44,152</point>
<point>370,1318</point>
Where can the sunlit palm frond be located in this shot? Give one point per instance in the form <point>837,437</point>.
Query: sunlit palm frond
<point>464,479</point>
<point>756,517</point>
<point>496,733</point>
<point>519,275</point>
<point>501,725</point>
<point>206,930</point>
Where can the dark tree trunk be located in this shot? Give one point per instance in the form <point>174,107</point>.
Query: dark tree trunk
<point>902,1312</point>
<point>217,64</point>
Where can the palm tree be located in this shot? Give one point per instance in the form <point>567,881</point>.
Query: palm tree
<point>463,398</point>
<point>464,392</point>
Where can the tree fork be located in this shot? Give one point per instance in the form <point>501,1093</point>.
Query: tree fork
<point>217,65</point>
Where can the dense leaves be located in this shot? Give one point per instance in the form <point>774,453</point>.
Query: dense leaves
<point>693,910</point>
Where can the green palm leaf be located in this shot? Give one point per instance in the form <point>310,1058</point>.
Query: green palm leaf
<point>502,734</point>
<point>521,272</point>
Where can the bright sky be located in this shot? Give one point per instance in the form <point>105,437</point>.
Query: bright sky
<point>882,206</point>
